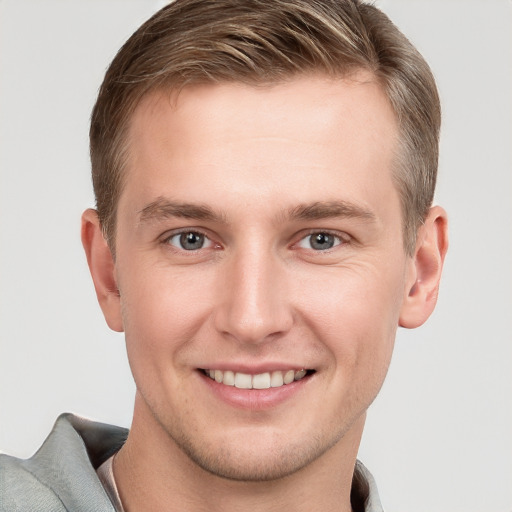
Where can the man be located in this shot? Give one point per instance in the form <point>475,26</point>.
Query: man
<point>264,174</point>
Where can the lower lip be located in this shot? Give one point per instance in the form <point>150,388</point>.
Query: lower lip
<point>255,399</point>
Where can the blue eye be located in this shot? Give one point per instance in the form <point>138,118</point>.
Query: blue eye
<point>189,241</point>
<point>320,241</point>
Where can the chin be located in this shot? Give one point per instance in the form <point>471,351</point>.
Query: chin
<point>271,457</point>
<point>244,467</point>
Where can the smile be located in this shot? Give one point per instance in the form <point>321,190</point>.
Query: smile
<point>266,380</point>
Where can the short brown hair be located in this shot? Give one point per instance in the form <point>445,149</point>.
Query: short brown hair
<point>265,42</point>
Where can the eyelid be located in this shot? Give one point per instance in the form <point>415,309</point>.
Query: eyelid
<point>342,236</point>
<point>168,235</point>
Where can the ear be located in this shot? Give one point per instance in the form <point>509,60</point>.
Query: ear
<point>102,267</point>
<point>425,270</point>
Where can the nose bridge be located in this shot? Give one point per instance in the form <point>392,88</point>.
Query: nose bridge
<point>255,304</point>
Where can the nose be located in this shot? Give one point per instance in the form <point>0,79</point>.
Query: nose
<point>254,306</point>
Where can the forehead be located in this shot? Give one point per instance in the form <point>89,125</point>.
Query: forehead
<point>262,139</point>
<point>315,99</point>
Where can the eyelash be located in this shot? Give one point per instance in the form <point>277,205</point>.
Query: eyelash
<point>167,240</point>
<point>339,239</point>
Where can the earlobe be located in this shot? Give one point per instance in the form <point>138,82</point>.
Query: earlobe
<point>102,268</point>
<point>425,271</point>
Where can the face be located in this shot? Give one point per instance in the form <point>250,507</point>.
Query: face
<point>260,268</point>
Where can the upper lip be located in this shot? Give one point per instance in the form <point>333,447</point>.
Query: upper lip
<point>253,369</point>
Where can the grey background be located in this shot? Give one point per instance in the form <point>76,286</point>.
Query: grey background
<point>439,437</point>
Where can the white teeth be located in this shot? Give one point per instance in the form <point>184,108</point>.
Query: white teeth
<point>229,378</point>
<point>243,381</point>
<point>276,381</point>
<point>261,381</point>
<point>289,377</point>
<point>265,380</point>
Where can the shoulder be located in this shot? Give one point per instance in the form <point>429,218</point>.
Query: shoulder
<point>20,490</point>
<point>62,474</point>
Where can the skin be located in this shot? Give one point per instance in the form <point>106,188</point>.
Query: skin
<point>258,171</point>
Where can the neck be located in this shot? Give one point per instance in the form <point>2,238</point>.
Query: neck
<point>153,473</point>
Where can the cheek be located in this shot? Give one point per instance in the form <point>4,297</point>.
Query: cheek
<point>162,311</point>
<point>355,312</point>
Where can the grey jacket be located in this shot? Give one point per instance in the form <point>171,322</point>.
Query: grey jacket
<point>62,477</point>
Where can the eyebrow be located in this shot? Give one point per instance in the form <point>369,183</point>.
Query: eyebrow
<point>330,209</point>
<point>162,209</point>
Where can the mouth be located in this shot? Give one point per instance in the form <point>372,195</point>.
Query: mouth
<point>266,380</point>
